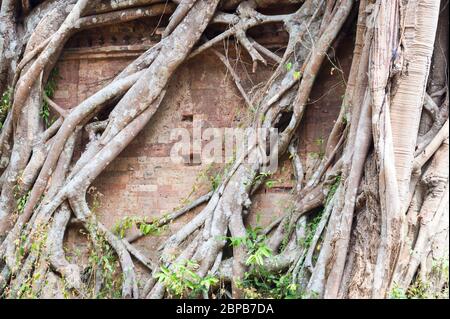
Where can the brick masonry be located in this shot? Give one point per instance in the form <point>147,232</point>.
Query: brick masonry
<point>142,181</point>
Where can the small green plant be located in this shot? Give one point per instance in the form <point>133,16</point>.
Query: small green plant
<point>145,227</point>
<point>288,66</point>
<point>151,228</point>
<point>5,105</point>
<point>260,177</point>
<point>216,178</point>
<point>258,250</point>
<point>316,155</point>
<point>270,183</point>
<point>95,199</point>
<point>439,269</point>
<point>332,190</point>
<point>45,113</point>
<point>263,284</point>
<point>103,262</point>
<point>422,288</point>
<point>25,290</point>
<point>215,181</point>
<point>254,241</point>
<point>311,228</point>
<point>397,293</point>
<point>121,227</point>
<point>258,282</point>
<point>418,290</point>
<point>321,153</point>
<point>345,118</point>
<point>182,281</point>
<point>319,141</point>
<point>296,74</point>
<point>22,201</point>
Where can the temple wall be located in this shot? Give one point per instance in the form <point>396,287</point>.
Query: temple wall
<point>142,180</point>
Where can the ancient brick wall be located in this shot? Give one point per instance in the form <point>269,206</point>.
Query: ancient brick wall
<point>143,181</point>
